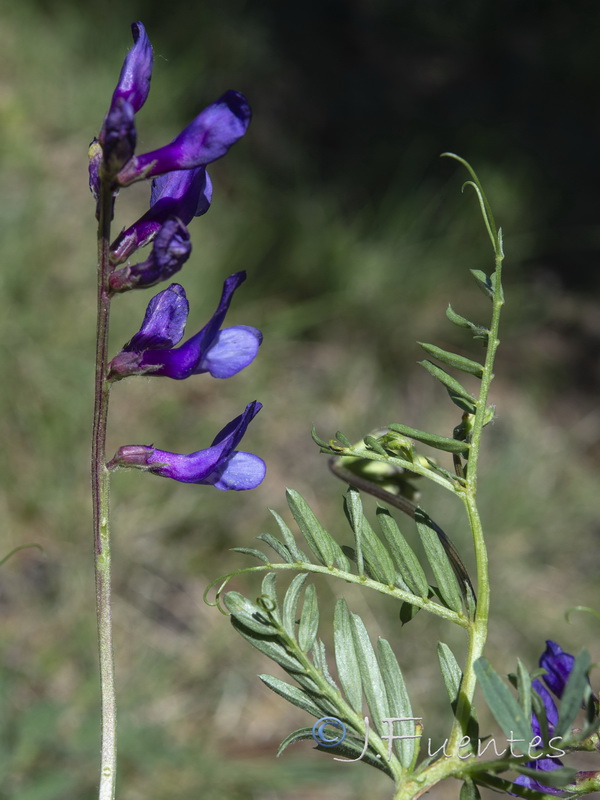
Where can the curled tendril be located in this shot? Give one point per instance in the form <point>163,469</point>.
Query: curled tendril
<point>16,550</point>
<point>266,604</point>
<point>224,580</point>
<point>586,609</point>
<point>486,210</point>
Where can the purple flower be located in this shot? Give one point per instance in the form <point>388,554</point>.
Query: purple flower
<point>208,137</point>
<point>558,666</point>
<point>184,194</point>
<point>118,135</point>
<point>220,465</point>
<point>152,350</point>
<point>171,249</point>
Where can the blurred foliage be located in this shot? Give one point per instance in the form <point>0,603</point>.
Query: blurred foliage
<point>355,237</point>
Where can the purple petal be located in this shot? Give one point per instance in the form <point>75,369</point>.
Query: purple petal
<point>208,137</point>
<point>118,136</point>
<point>232,350</point>
<point>218,465</point>
<point>558,666</point>
<point>182,362</point>
<point>239,472</point>
<point>184,194</point>
<point>172,248</point>
<point>549,706</point>
<point>545,765</point>
<point>134,80</point>
<point>164,322</point>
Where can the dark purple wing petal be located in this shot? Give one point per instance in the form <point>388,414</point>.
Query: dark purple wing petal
<point>208,137</point>
<point>164,322</point>
<point>134,80</point>
<point>184,194</point>
<point>558,666</point>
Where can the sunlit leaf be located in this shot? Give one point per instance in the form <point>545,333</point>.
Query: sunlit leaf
<point>309,620</point>
<point>290,604</point>
<point>453,359</point>
<point>432,439</point>
<point>398,702</point>
<point>502,703</point>
<point>320,542</point>
<point>345,656</point>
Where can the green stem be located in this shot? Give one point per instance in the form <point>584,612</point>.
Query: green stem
<point>478,632</point>
<point>348,577</point>
<point>100,501</point>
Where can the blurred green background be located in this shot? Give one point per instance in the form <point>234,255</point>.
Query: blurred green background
<point>355,237</point>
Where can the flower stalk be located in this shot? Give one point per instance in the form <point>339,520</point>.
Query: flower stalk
<point>100,500</point>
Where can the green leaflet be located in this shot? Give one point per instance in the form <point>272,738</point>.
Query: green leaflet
<point>290,604</point>
<point>502,703</point>
<point>432,439</point>
<point>368,544</point>
<point>292,694</point>
<point>404,557</point>
<point>350,748</point>
<point>248,614</point>
<point>320,662</point>
<point>251,551</point>
<point>274,543</point>
<point>556,777</point>
<point>484,282</point>
<point>288,538</point>
<point>524,688</point>
<point>453,359</point>
<point>574,694</point>
<point>372,680</point>
<point>441,565</point>
<point>268,645</point>
<point>469,791</point>
<point>268,592</point>
<point>451,672</point>
<point>398,702</point>
<point>345,656</point>
<point>309,621</point>
<point>408,612</point>
<point>320,542</point>
<point>478,331</point>
<point>458,394</point>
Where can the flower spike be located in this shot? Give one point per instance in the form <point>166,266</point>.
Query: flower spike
<point>220,465</point>
<point>152,350</point>
<point>208,137</point>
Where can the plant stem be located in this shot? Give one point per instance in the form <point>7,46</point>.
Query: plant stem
<point>478,632</point>
<point>100,501</point>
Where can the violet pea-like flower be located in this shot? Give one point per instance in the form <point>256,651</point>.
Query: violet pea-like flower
<point>170,251</point>
<point>220,465</point>
<point>184,194</point>
<point>152,350</point>
<point>118,134</point>
<point>208,137</point>
<point>558,666</point>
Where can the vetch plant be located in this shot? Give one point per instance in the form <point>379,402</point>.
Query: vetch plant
<point>180,190</point>
<point>363,707</point>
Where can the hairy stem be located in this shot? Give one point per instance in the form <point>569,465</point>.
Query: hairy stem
<point>100,501</point>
